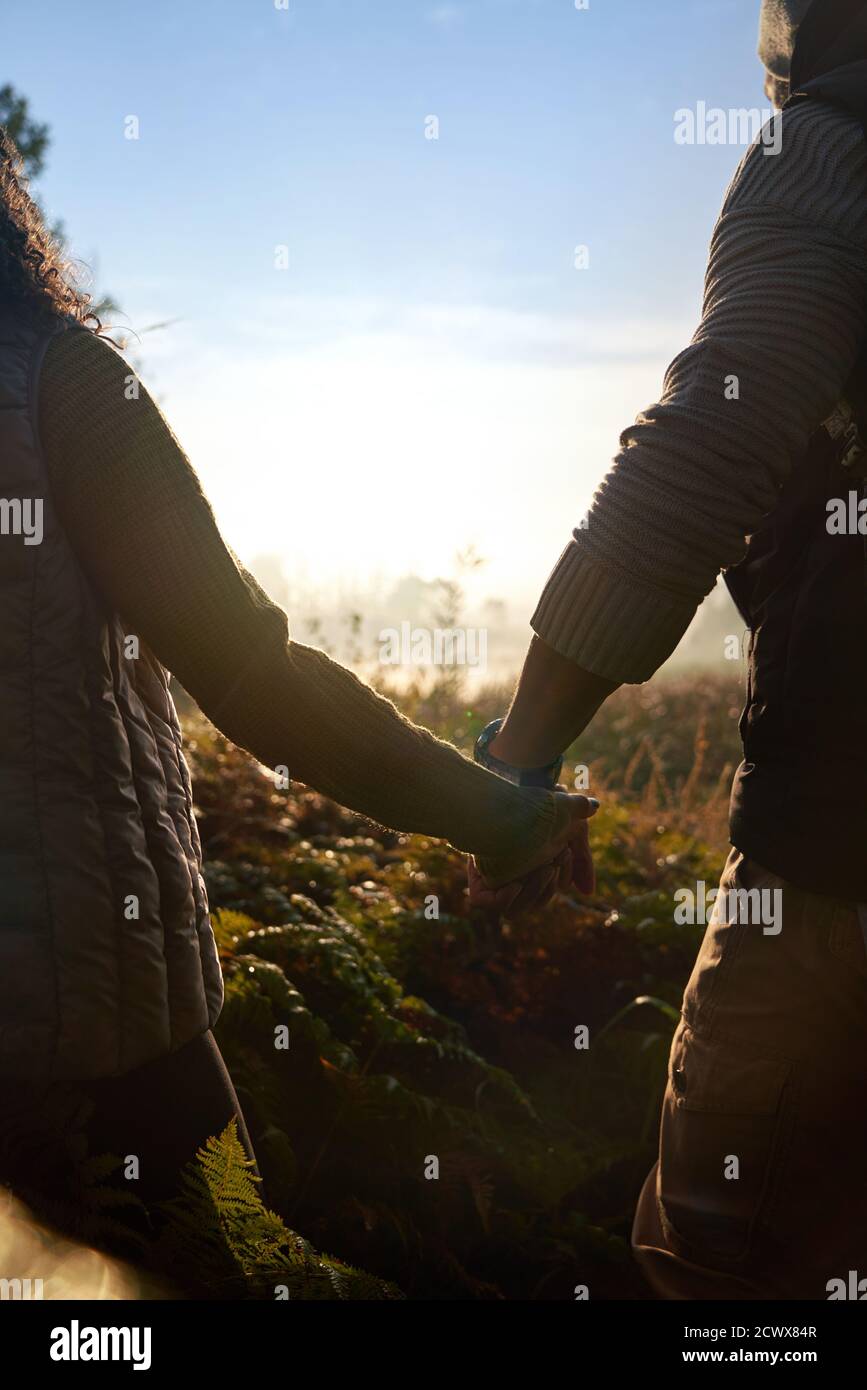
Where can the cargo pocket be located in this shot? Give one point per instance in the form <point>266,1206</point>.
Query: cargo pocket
<point>718,950</point>
<point>720,1124</point>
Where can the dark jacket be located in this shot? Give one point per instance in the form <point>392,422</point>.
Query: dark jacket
<point>799,801</point>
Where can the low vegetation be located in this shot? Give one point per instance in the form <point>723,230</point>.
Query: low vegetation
<point>413,1075</point>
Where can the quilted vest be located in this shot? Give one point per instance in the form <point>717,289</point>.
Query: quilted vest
<point>107,958</point>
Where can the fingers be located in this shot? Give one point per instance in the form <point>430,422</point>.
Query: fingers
<point>574,809</point>
<point>535,890</point>
<point>567,870</point>
<point>569,865</point>
<point>491,899</point>
<point>583,871</point>
<point>573,813</point>
<point>503,899</point>
<point>514,898</point>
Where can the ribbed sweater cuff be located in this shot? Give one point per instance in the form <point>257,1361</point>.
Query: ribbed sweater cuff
<point>606,622</point>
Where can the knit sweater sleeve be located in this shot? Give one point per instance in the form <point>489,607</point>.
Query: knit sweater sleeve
<point>784,316</point>
<point>134,511</point>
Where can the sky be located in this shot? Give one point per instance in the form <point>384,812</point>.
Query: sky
<point>384,347</point>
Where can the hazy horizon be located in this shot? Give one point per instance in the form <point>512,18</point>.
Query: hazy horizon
<point>429,369</point>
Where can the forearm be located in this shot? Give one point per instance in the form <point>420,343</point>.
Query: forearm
<point>298,709</point>
<point>554,701</point>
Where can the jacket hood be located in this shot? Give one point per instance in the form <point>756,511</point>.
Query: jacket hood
<point>830,55</point>
<point>778,25</point>
<point>801,41</point>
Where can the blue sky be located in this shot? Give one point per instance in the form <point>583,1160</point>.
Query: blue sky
<point>431,369</point>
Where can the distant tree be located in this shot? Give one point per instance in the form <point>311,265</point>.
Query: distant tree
<point>31,137</point>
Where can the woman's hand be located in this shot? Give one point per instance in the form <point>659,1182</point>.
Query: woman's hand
<point>564,861</point>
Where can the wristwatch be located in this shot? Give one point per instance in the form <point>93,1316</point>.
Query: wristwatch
<point>547,776</point>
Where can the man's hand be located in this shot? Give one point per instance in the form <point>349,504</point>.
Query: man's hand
<point>554,702</point>
<point>565,862</point>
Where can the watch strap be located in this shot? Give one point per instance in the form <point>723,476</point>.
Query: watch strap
<point>546,776</point>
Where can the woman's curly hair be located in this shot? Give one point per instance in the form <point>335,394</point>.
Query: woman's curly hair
<point>35,273</point>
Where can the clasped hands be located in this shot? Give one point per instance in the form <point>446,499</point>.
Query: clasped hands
<point>564,861</point>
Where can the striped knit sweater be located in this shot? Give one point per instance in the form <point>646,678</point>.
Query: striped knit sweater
<point>142,529</point>
<point>785,312</point>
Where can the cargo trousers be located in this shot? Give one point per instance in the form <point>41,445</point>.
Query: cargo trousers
<point>760,1188</point>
